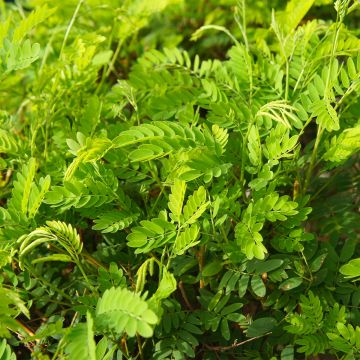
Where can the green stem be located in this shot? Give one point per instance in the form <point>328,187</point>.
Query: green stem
<point>286,79</point>
<point>71,23</point>
<point>60,344</point>
<point>110,68</point>
<point>78,264</point>
<point>201,256</point>
<point>224,233</point>
<point>320,130</point>
<point>156,202</point>
<point>309,270</point>
<point>347,93</point>
<point>243,158</point>
<point>313,159</point>
<point>115,56</point>
<point>161,265</point>
<point>327,183</point>
<point>33,139</point>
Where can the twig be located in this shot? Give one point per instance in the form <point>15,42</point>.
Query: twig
<point>200,257</point>
<point>140,347</point>
<point>123,344</point>
<point>184,295</point>
<point>25,328</point>
<point>235,344</point>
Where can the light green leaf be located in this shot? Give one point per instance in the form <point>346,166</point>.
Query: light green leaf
<point>176,199</point>
<point>325,115</point>
<point>186,239</point>
<point>80,341</point>
<point>122,310</point>
<point>343,146</point>
<point>293,14</point>
<point>351,269</point>
<point>6,352</point>
<point>195,206</point>
<point>54,257</point>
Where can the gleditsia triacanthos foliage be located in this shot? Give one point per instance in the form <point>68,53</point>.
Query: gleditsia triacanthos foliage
<point>179,179</point>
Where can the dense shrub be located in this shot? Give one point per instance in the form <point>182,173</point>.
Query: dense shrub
<point>180,179</point>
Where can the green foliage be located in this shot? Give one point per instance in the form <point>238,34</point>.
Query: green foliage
<point>179,179</point>
<point>341,148</point>
<point>81,343</point>
<point>346,339</point>
<point>113,221</point>
<point>5,352</point>
<point>11,307</point>
<point>62,234</point>
<point>316,329</point>
<point>120,310</point>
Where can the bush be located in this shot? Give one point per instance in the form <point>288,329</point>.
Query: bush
<point>180,179</point>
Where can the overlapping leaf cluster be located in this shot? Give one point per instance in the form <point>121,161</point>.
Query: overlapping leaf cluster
<point>179,179</point>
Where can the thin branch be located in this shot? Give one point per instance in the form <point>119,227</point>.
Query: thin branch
<point>184,295</point>
<point>235,344</point>
<point>25,328</point>
<point>140,346</point>
<point>71,23</point>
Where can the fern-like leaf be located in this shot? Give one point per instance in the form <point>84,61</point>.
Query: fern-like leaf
<point>80,341</point>
<point>151,234</point>
<point>278,144</point>
<point>11,306</point>
<point>26,195</point>
<point>160,138</point>
<point>313,344</point>
<point>113,221</point>
<point>343,146</point>
<point>310,319</point>
<point>345,338</point>
<point>94,186</point>
<point>195,206</point>
<point>5,351</point>
<point>92,150</point>
<point>186,239</point>
<point>221,137</point>
<point>279,111</point>
<point>20,56</point>
<point>121,310</point>
<point>293,14</point>
<point>40,14</point>
<point>325,114</point>
<point>176,199</point>
<point>55,231</point>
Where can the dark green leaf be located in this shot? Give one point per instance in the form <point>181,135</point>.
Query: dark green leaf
<point>258,286</point>
<point>261,326</point>
<point>212,268</point>
<point>291,283</point>
<point>243,284</point>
